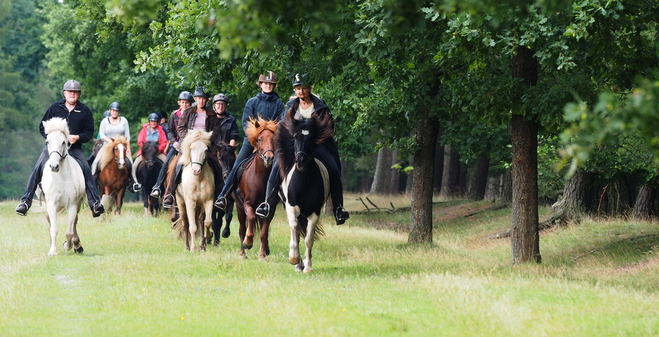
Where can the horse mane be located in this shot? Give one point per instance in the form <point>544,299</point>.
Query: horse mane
<point>284,141</point>
<point>255,126</point>
<point>56,124</point>
<point>191,137</point>
<point>108,150</point>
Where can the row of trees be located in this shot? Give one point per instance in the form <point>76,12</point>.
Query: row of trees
<point>484,82</point>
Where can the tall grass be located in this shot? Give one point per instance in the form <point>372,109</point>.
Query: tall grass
<point>598,278</point>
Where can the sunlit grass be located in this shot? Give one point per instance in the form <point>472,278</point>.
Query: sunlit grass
<point>135,279</point>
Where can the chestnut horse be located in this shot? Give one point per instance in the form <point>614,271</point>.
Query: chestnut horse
<point>113,174</point>
<point>62,184</point>
<point>252,183</point>
<point>196,192</point>
<point>305,182</point>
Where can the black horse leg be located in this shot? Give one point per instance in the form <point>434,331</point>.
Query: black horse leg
<point>216,226</point>
<point>227,217</point>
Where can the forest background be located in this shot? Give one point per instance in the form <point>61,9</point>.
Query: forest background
<point>431,97</point>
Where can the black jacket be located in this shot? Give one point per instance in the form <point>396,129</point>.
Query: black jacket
<point>80,121</point>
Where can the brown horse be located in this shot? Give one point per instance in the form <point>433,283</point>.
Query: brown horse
<point>252,183</point>
<point>113,174</point>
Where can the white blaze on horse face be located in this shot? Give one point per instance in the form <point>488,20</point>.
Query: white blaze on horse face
<point>197,156</point>
<point>121,162</point>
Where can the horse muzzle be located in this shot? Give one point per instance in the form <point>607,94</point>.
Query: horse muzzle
<point>301,161</point>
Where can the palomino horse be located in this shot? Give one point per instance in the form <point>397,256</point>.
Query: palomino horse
<point>196,192</point>
<point>62,183</point>
<point>252,183</point>
<point>113,174</point>
<point>305,182</point>
<point>147,174</point>
<point>226,155</point>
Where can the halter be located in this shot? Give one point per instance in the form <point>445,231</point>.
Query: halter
<point>198,163</point>
<point>61,156</point>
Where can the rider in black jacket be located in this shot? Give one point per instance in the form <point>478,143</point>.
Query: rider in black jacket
<point>81,128</point>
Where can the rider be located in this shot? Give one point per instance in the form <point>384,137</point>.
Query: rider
<point>151,132</point>
<point>113,127</point>
<point>304,106</point>
<point>81,127</point>
<point>184,101</point>
<point>197,117</point>
<point>228,127</point>
<point>265,104</point>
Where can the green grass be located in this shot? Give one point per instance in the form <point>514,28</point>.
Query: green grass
<point>598,278</point>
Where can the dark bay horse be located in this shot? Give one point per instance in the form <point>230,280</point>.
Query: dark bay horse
<point>305,182</point>
<point>252,183</point>
<point>147,173</point>
<point>113,174</point>
<point>226,154</point>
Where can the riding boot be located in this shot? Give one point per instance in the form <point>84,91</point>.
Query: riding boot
<point>32,182</point>
<point>133,185</point>
<point>91,189</point>
<point>229,185</point>
<point>271,197</point>
<point>155,191</point>
<point>168,200</point>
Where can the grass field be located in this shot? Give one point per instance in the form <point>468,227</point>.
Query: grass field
<point>598,278</point>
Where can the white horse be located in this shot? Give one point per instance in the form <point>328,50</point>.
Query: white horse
<point>195,193</point>
<point>62,183</point>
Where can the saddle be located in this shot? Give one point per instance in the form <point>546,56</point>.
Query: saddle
<point>239,173</point>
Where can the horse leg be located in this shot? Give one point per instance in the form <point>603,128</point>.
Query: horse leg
<point>208,220</point>
<point>265,245</point>
<point>120,200</point>
<point>248,241</point>
<point>51,216</point>
<point>216,226</point>
<point>308,241</point>
<point>227,220</point>
<point>70,212</point>
<point>184,231</point>
<point>242,228</point>
<point>294,249</point>
<point>192,227</point>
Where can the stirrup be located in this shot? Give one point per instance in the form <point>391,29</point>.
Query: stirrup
<point>155,192</point>
<point>137,187</point>
<point>221,203</point>
<point>165,204</point>
<point>263,210</point>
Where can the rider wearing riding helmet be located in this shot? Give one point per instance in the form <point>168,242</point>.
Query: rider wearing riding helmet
<point>111,128</point>
<point>151,132</point>
<point>228,127</point>
<point>303,106</point>
<point>197,117</point>
<point>184,101</point>
<point>81,126</point>
<point>268,106</point>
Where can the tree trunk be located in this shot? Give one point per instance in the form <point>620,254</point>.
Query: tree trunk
<point>451,175</point>
<point>478,181</point>
<point>381,178</point>
<point>644,201</point>
<point>525,239</point>
<point>572,206</point>
<point>439,168</point>
<point>422,191</point>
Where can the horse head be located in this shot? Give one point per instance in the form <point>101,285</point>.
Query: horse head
<point>57,141</point>
<point>226,154</point>
<point>260,134</point>
<point>119,148</point>
<point>193,149</point>
<point>150,154</point>
<point>304,144</point>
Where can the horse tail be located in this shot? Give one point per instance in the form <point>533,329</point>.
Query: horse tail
<point>303,224</point>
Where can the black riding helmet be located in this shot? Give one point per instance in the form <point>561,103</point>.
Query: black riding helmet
<point>154,116</point>
<point>185,95</point>
<point>201,92</point>
<point>302,80</point>
<point>115,106</point>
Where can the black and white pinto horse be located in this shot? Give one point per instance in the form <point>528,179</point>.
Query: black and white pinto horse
<point>305,182</point>
<point>147,173</point>
<point>62,184</point>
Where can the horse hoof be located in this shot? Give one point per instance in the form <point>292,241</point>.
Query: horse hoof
<point>52,254</point>
<point>294,260</point>
<point>299,267</point>
<point>79,250</point>
<point>243,256</point>
<point>67,246</point>
<point>226,234</point>
<point>263,258</point>
<point>246,246</point>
